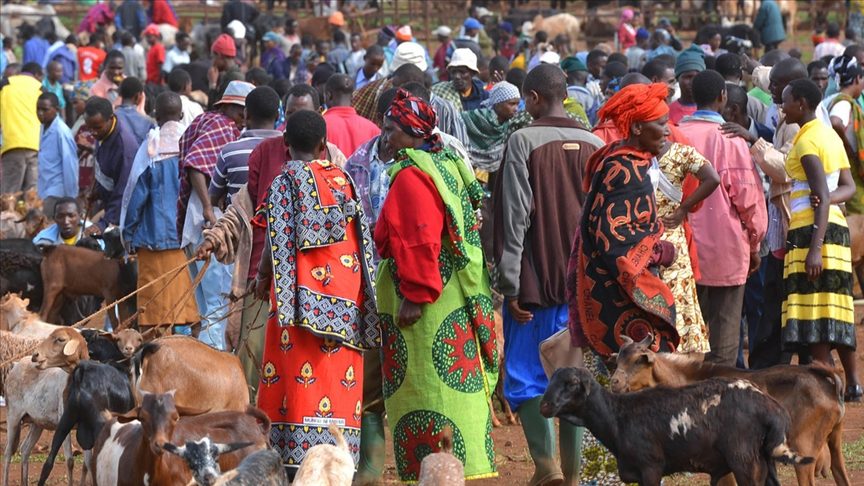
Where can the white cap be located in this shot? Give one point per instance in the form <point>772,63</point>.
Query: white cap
<point>238,29</point>
<point>409,53</point>
<point>550,57</point>
<point>443,30</point>
<point>482,12</point>
<point>464,57</point>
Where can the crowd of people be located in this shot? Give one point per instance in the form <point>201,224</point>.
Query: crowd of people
<point>366,210</point>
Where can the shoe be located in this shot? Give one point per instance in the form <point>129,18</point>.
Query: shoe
<point>371,465</point>
<point>854,393</point>
<point>540,435</point>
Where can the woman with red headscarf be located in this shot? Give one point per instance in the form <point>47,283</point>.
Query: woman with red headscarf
<point>439,355</point>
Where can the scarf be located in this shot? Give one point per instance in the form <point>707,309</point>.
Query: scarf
<point>487,138</point>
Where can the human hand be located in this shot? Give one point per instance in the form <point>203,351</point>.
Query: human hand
<point>203,252</point>
<point>213,76</point>
<point>815,201</point>
<point>733,130</point>
<point>814,263</point>
<point>92,230</point>
<point>755,261</point>
<point>673,220</point>
<point>521,315</point>
<point>409,313</point>
<point>209,218</point>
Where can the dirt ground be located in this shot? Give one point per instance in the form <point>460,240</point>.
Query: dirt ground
<point>514,462</point>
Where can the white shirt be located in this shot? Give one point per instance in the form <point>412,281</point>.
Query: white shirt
<point>191,110</point>
<point>830,47</point>
<point>174,57</point>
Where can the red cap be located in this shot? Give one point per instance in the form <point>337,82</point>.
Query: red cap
<point>224,45</point>
<point>151,29</point>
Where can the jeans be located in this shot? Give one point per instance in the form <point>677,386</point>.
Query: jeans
<point>754,299</point>
<point>212,298</point>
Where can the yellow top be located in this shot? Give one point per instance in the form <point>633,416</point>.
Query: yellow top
<point>18,113</point>
<point>70,241</point>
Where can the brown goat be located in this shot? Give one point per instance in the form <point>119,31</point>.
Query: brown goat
<point>811,394</point>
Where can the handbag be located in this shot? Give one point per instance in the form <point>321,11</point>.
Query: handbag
<point>557,351</point>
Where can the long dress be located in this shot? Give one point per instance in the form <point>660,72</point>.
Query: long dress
<point>675,164</point>
<point>821,311</point>
<point>323,310</point>
<point>439,371</point>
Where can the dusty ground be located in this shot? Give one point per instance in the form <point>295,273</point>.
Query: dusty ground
<point>514,463</point>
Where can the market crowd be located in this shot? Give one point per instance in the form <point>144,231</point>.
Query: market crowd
<point>369,208</point>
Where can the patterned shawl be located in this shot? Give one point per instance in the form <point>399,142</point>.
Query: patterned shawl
<point>487,138</point>
<point>617,292</point>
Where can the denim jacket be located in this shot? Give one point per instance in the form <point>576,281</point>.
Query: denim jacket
<point>151,217</point>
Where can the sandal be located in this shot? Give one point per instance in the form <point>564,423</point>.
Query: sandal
<point>854,393</point>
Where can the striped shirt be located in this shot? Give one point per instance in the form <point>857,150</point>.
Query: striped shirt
<point>232,166</point>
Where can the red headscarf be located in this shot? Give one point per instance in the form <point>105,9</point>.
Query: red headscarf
<point>414,116</point>
<point>635,103</point>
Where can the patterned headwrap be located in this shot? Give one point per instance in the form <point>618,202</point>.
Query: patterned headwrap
<point>845,70</point>
<point>414,116</point>
<point>635,103</point>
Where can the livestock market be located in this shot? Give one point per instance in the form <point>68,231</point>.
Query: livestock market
<point>384,242</point>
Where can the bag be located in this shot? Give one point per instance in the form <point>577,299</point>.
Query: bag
<point>557,351</point>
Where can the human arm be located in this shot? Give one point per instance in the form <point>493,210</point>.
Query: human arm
<point>761,17</point>
<point>69,156</point>
<point>198,181</point>
<point>771,160</point>
<point>813,168</point>
<point>264,277</point>
<point>708,182</point>
<point>137,203</point>
<point>746,195</point>
<point>844,192</point>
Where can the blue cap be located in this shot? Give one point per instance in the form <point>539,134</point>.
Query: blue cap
<point>642,33</point>
<point>271,36</point>
<point>472,23</point>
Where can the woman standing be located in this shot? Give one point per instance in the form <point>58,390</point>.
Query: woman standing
<point>439,357</point>
<point>322,298</point>
<point>818,311</point>
<point>676,161</point>
<point>627,30</point>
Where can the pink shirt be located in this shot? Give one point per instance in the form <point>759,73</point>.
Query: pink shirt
<point>677,111</point>
<point>732,221</point>
<point>348,130</point>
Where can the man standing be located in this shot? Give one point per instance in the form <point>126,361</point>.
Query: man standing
<point>131,93</point>
<point>155,54</point>
<point>179,82</point>
<point>577,79</point>
<point>732,221</point>
<point>373,60</point>
<point>178,54</point>
<point>769,24</point>
<point>463,89</point>
<point>224,53</point>
<point>439,62</point>
<point>53,83</point>
<point>345,127</point>
<point>20,125</point>
<point>58,155</point>
<point>199,150</point>
<point>540,176</point>
<point>690,63</point>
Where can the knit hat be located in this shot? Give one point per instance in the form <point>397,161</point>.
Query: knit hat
<point>404,33</point>
<point>501,92</point>
<point>224,45</point>
<point>464,57</point>
<point>573,64</point>
<point>235,93</point>
<point>692,59</point>
<point>337,19</point>
<point>472,23</point>
<point>409,53</point>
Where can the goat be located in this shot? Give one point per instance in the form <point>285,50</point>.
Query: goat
<point>261,468</point>
<point>115,348</point>
<point>716,426</point>
<point>35,396</point>
<point>20,262</point>
<point>203,377</point>
<point>94,390</point>
<point>129,450</point>
<point>21,321</point>
<point>811,394</point>
<point>13,346</point>
<point>327,464</point>
<point>442,468</point>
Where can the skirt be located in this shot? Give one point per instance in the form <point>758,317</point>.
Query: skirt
<point>166,306</point>
<point>308,383</point>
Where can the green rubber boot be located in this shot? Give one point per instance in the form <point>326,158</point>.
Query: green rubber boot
<point>540,435</point>
<point>370,467</point>
<point>570,444</point>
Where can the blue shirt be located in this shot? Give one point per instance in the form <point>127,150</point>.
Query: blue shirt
<point>57,89</point>
<point>51,236</point>
<point>361,80</point>
<point>477,96</point>
<point>35,50</point>
<point>151,216</point>
<point>58,161</point>
<point>137,123</point>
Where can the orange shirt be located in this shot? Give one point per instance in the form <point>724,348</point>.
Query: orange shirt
<point>90,59</point>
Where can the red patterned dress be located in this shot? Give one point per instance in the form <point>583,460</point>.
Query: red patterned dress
<point>323,310</point>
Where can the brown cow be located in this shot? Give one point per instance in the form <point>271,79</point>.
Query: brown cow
<point>131,448</point>
<point>811,394</point>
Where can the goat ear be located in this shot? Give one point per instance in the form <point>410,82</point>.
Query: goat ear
<point>228,448</point>
<point>190,412</point>
<point>71,347</point>
<point>647,359</point>
<point>127,417</point>
<point>173,449</point>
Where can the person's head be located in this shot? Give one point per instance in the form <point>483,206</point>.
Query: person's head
<point>408,73</point>
<point>34,69</point>
<point>26,31</point>
<point>338,90</point>
<point>417,89</point>
<point>689,63</point>
<point>270,40</point>
<point>545,88</point>
<point>736,105</point>
<point>182,41</point>
<point>614,70</point>
<point>152,34</point>
<point>462,67</point>
<point>384,37</point>
<point>262,108</point>
<point>443,33</point>
<point>115,62</point>
<point>80,93</point>
<point>800,99</point>
<point>301,97</point>
<point>832,30</point>
<point>817,71</point>
<point>850,34</point>
<point>12,69</point>
<point>67,216</point>
<point>643,37</point>
<point>179,81</point>
<point>709,91</point>
<point>258,76</point>
<point>409,53</point>
<point>99,117</point>
<point>46,108</point>
<point>729,66</point>
<point>772,57</point>
<point>848,74</point>
<point>233,102</point>
<point>660,71</point>
<point>409,122</point>
<point>596,61</point>
<point>498,66</point>
<point>305,135</point>
<point>356,42</point>
<point>472,26</point>
<point>783,73</point>
<point>127,39</point>
<point>575,70</point>
<point>504,100</point>
<point>320,76</point>
<point>856,51</point>
<point>541,37</point>
<point>224,51</point>
<point>483,69</point>
<point>628,15</point>
<point>562,44</point>
<point>516,77</point>
<point>640,113</point>
<point>55,71</point>
<point>169,107</point>
<point>131,90</point>
<point>290,26</point>
<point>373,60</point>
<point>385,99</point>
<point>616,57</point>
<point>322,47</point>
<point>633,78</point>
